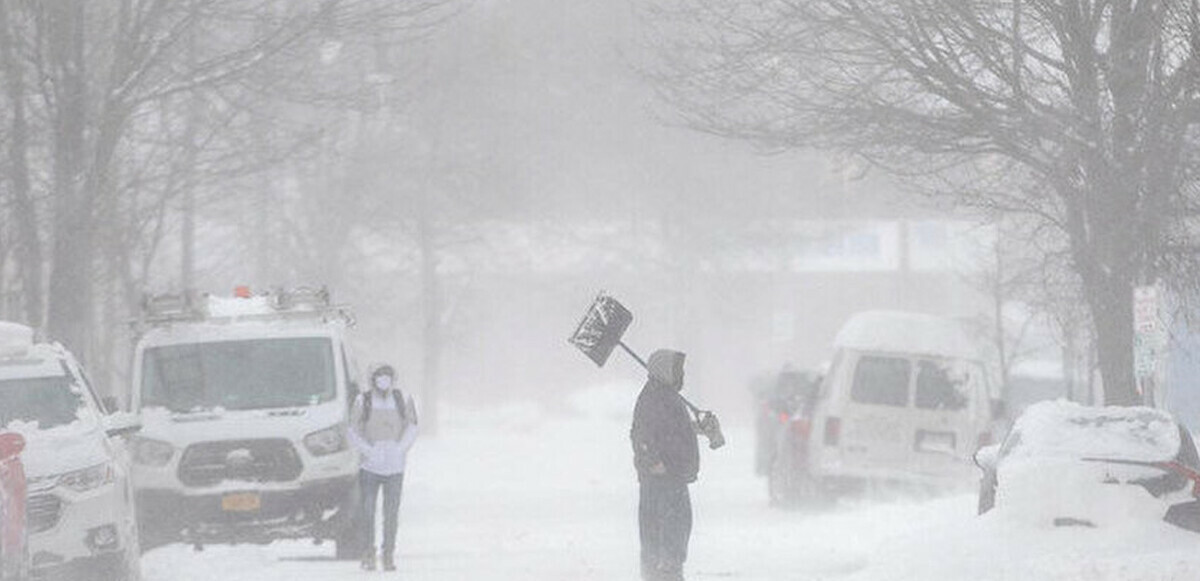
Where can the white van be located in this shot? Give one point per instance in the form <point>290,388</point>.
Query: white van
<point>244,403</point>
<point>79,509</point>
<point>907,399</point>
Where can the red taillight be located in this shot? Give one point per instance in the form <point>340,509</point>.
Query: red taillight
<point>241,292</point>
<point>783,418</point>
<point>801,428</point>
<point>833,431</point>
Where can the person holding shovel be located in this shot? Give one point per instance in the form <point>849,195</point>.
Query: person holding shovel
<point>667,458</point>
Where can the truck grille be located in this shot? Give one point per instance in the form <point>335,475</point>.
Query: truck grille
<point>42,512</point>
<point>210,463</point>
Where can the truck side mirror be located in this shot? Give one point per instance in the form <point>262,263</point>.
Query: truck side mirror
<point>985,457</point>
<point>122,424</point>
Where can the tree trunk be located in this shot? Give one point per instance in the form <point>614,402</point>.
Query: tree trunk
<point>71,274</point>
<point>1110,299</point>
<point>431,335</point>
<point>29,245</point>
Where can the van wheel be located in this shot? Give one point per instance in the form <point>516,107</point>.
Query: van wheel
<point>987,493</point>
<point>781,488</point>
<point>348,543</point>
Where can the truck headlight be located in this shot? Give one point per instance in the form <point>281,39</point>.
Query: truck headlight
<point>89,478</point>
<point>151,452</point>
<point>327,441</point>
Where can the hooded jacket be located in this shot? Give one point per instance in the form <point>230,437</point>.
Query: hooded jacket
<point>383,436</point>
<point>662,430</point>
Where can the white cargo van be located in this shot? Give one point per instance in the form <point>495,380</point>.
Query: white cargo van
<point>907,399</point>
<point>244,403</point>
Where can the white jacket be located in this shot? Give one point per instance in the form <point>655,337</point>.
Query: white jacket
<point>382,455</point>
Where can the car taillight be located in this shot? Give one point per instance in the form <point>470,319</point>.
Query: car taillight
<point>833,431</point>
<point>801,427</point>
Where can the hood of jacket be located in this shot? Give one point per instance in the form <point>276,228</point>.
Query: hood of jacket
<point>665,367</point>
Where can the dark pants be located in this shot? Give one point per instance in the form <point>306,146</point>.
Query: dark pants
<point>665,522</point>
<point>370,484</point>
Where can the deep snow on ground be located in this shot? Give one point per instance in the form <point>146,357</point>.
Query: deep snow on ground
<point>520,493</point>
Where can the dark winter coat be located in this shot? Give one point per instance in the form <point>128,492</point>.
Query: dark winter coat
<point>662,426</point>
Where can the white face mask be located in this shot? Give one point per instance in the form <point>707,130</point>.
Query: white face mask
<point>383,382</point>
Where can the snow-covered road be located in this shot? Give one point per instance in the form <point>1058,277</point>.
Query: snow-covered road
<point>517,494</point>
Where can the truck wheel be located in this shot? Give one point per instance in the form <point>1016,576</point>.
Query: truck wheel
<point>987,493</point>
<point>347,541</point>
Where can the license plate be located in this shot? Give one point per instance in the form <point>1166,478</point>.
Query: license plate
<point>241,502</point>
<point>937,442</point>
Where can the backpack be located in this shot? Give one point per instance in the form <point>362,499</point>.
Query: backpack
<point>400,407</point>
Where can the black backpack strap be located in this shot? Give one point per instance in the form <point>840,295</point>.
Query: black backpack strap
<point>400,407</point>
<point>366,407</point>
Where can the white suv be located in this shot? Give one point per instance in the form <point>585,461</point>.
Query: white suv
<point>245,404</point>
<point>80,514</point>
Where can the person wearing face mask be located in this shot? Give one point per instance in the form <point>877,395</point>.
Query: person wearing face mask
<point>383,427</point>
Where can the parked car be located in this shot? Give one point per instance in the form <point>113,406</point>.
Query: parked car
<point>784,422</point>
<point>245,402</point>
<point>14,548</point>
<point>1065,464</point>
<point>80,516</point>
<point>908,400</point>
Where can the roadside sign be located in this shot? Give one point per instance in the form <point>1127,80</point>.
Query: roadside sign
<point>1150,339</point>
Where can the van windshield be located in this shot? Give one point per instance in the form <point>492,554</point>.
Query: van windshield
<point>239,375</point>
<point>48,401</point>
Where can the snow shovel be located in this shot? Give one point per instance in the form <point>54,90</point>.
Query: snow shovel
<point>599,333</point>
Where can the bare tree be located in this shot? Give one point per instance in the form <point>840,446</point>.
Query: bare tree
<point>137,105</point>
<point>1090,106</point>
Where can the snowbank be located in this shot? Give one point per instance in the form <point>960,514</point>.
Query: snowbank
<point>518,493</point>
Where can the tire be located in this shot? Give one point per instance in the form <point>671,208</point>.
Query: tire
<point>348,543</point>
<point>788,483</point>
<point>348,546</point>
<point>987,493</point>
<point>781,476</point>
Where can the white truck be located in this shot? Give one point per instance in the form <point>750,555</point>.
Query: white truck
<point>244,403</point>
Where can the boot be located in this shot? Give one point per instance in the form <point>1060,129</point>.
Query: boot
<point>368,560</point>
<point>389,562</point>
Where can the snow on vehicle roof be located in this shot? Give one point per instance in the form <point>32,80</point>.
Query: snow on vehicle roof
<point>905,332</point>
<point>14,335</point>
<point>39,360</point>
<point>1068,429</point>
<point>238,307</point>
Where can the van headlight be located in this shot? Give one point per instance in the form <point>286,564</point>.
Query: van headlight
<point>89,478</point>
<point>150,452</point>
<point>327,441</point>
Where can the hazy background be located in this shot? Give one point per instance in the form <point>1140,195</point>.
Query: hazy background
<point>469,181</point>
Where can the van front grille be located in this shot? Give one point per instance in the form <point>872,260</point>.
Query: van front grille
<point>266,460</point>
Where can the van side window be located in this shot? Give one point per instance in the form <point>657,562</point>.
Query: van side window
<point>939,387</point>
<point>881,381</point>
